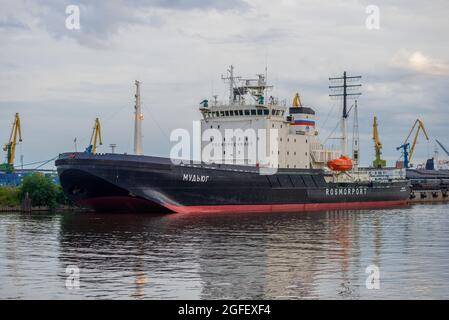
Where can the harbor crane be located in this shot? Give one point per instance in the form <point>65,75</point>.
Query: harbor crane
<point>442,147</point>
<point>95,138</point>
<point>10,147</point>
<point>378,161</point>
<point>407,150</point>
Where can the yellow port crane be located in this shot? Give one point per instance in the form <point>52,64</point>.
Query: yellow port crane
<point>95,138</point>
<point>406,145</point>
<point>378,161</point>
<point>10,147</point>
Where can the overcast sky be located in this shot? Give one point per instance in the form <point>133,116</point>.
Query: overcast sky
<point>60,79</point>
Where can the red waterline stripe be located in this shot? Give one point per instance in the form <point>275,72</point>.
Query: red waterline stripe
<point>284,207</point>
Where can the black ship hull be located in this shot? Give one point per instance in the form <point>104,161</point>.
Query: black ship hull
<point>421,179</point>
<point>128,183</point>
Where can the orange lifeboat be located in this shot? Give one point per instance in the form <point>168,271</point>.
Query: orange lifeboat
<point>341,164</point>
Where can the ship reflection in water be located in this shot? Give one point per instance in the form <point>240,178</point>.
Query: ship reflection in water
<point>267,256</point>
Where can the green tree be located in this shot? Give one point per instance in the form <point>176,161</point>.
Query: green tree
<point>41,190</point>
<point>9,196</point>
<point>61,198</point>
<point>6,167</point>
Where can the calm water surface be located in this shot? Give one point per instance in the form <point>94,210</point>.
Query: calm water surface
<point>272,256</point>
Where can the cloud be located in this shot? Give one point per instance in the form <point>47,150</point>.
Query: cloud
<point>418,62</point>
<point>100,20</point>
<point>266,36</point>
<point>12,23</point>
<point>193,4</point>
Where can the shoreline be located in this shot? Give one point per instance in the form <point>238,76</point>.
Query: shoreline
<point>43,209</point>
<point>46,209</point>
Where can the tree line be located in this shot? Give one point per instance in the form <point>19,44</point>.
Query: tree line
<point>41,190</point>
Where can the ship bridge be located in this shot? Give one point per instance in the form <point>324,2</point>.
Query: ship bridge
<point>247,98</point>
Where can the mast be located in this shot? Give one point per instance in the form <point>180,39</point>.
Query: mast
<point>355,138</point>
<point>231,84</point>
<point>344,135</point>
<point>138,122</point>
<point>231,79</point>
<point>345,114</point>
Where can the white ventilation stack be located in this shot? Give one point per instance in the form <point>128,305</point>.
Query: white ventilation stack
<point>138,122</point>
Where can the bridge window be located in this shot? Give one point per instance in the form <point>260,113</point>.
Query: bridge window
<point>227,113</point>
<point>246,112</point>
<point>253,112</point>
<point>266,112</point>
<point>231,112</point>
<point>259,112</point>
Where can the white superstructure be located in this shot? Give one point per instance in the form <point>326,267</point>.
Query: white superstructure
<point>251,108</point>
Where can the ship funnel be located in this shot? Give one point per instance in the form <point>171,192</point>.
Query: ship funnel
<point>297,101</point>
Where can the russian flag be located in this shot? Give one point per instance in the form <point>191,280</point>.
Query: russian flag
<point>303,122</point>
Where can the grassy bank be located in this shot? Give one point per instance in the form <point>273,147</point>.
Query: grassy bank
<point>41,191</point>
